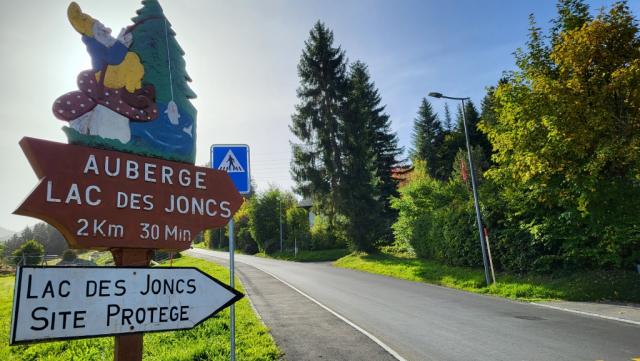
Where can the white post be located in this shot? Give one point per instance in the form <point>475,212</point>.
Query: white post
<point>232,309</point>
<point>486,237</point>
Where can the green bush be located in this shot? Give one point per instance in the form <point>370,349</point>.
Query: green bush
<point>30,253</point>
<point>456,225</point>
<point>531,236</point>
<point>265,213</point>
<point>297,227</point>
<point>323,238</point>
<point>243,239</point>
<point>415,220</point>
<point>437,220</point>
<point>598,230</point>
<point>215,238</point>
<point>69,255</point>
<point>219,238</point>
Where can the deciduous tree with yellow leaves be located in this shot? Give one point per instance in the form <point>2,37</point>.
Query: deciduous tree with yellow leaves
<point>565,132</point>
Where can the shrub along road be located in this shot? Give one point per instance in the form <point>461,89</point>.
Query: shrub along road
<point>426,322</point>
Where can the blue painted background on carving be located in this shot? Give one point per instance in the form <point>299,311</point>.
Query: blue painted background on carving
<point>162,136</point>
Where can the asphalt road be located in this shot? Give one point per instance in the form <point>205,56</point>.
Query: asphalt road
<point>425,322</point>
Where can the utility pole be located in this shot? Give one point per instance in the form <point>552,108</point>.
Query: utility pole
<point>280,214</point>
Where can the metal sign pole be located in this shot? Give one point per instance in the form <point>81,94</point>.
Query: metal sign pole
<point>232,310</point>
<point>233,159</point>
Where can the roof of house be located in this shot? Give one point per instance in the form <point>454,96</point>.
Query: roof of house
<point>402,174</point>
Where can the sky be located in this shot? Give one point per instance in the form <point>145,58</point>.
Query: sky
<point>243,56</point>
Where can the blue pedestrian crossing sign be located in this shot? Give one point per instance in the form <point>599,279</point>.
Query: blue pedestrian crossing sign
<point>233,159</point>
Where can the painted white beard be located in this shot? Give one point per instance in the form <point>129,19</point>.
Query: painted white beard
<point>105,39</point>
<point>103,36</point>
<point>103,122</point>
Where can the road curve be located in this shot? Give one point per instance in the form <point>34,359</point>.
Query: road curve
<point>426,322</point>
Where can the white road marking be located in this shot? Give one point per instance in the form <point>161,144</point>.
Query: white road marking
<point>373,338</point>
<point>586,313</point>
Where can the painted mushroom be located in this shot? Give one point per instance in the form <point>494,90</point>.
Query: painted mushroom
<point>138,106</point>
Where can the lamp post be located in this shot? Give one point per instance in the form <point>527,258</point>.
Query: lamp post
<point>476,201</point>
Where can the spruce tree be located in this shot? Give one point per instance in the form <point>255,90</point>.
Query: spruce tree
<point>452,141</point>
<point>317,165</point>
<point>164,66</point>
<point>476,138</point>
<point>359,183</point>
<point>536,58</point>
<point>149,30</point>
<point>572,14</point>
<point>472,118</point>
<point>448,123</point>
<point>384,144</point>
<point>427,138</point>
<point>370,152</point>
<point>488,116</point>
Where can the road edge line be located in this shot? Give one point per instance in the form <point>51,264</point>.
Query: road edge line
<point>611,318</point>
<point>373,338</point>
<point>240,277</point>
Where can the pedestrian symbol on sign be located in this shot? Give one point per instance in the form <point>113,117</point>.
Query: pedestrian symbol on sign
<point>234,160</point>
<point>230,164</point>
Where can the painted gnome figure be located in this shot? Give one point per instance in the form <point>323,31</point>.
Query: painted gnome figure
<point>111,93</point>
<point>136,97</point>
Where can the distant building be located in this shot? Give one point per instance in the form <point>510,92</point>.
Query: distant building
<point>402,174</point>
<point>306,203</point>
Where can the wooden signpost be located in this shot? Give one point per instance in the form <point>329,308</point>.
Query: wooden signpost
<point>125,203</point>
<point>125,183</point>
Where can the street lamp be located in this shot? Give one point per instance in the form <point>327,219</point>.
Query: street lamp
<point>483,243</point>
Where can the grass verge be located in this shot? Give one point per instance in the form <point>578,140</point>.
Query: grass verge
<point>104,259</point>
<point>584,286</point>
<point>207,341</point>
<point>308,256</point>
<point>200,245</point>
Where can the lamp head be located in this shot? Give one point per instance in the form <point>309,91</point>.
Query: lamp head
<point>435,95</point>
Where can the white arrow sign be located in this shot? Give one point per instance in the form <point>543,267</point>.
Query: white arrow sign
<point>52,303</point>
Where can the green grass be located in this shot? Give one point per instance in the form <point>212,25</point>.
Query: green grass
<point>105,259</point>
<point>308,256</point>
<point>583,286</point>
<point>200,245</point>
<point>208,341</point>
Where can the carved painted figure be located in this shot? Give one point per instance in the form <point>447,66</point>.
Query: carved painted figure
<point>135,98</point>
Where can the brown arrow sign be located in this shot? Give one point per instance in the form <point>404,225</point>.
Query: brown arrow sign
<point>106,199</point>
